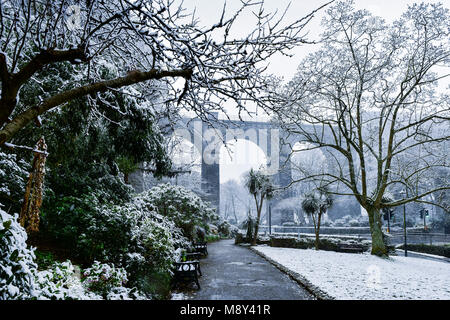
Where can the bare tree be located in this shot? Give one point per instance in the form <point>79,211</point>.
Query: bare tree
<point>144,40</point>
<point>368,99</point>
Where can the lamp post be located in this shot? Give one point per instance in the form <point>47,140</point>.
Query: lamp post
<point>404,230</point>
<point>404,223</point>
<point>424,213</point>
<point>270,218</point>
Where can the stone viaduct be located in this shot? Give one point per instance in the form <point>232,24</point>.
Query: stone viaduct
<point>274,142</point>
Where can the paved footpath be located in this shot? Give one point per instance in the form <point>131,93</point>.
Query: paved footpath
<point>232,272</point>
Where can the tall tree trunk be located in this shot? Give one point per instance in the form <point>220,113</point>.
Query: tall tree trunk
<point>258,216</point>
<point>378,246</point>
<point>234,210</point>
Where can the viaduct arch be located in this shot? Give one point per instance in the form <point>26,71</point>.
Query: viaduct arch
<point>275,143</point>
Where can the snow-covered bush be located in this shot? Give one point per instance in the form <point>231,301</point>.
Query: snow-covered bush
<point>249,225</point>
<point>17,266</point>
<point>343,222</point>
<point>180,205</point>
<point>13,178</point>
<point>101,278</point>
<point>109,282</point>
<point>152,249</point>
<point>100,281</point>
<point>58,273</point>
<point>123,293</point>
<point>351,221</point>
<point>20,279</point>
<point>226,229</point>
<point>131,235</point>
<point>60,282</point>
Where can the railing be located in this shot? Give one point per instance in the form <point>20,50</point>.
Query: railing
<point>419,238</point>
<point>413,237</point>
<point>353,231</point>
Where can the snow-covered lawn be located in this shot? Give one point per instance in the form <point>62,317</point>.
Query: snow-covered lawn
<point>363,276</point>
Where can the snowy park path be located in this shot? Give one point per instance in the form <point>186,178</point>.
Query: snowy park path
<point>231,272</point>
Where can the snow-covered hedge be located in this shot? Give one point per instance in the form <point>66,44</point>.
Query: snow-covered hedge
<point>109,282</point>
<point>135,237</point>
<point>13,177</point>
<point>140,236</point>
<point>100,281</point>
<point>60,282</point>
<point>20,278</point>
<point>17,267</point>
<point>350,221</point>
<point>145,231</point>
<point>325,242</point>
<point>180,205</point>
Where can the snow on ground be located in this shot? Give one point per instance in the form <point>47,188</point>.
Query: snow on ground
<point>178,296</point>
<point>363,276</point>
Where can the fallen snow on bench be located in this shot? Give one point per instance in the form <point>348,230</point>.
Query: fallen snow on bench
<point>363,276</point>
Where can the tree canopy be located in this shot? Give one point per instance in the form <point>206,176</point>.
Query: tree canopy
<point>368,98</point>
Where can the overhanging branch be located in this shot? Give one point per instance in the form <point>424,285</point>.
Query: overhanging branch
<point>132,77</point>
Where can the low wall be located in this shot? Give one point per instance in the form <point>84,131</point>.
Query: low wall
<point>325,243</point>
<point>241,238</point>
<point>323,230</point>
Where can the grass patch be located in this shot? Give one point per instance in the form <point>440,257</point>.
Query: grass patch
<point>212,238</point>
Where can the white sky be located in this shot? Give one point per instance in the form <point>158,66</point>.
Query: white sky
<point>240,157</point>
<point>208,12</point>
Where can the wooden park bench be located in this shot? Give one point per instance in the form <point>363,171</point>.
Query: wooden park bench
<point>350,248</point>
<point>187,271</point>
<point>201,247</point>
<point>193,256</point>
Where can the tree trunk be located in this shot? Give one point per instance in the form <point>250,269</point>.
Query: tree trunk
<point>255,234</point>
<point>258,216</point>
<point>378,246</point>
<point>234,210</point>
<point>318,231</point>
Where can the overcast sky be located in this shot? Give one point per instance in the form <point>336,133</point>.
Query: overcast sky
<point>209,11</point>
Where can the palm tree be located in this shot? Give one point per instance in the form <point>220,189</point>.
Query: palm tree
<point>261,187</point>
<point>315,204</point>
